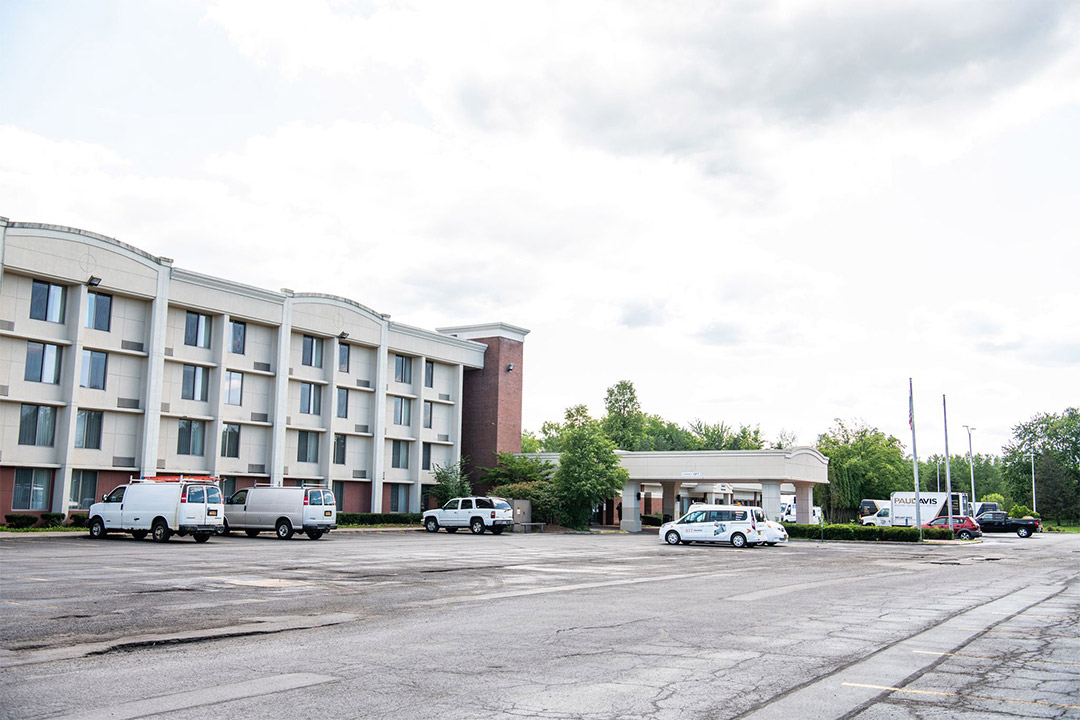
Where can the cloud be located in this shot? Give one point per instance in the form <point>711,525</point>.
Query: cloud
<point>640,314</point>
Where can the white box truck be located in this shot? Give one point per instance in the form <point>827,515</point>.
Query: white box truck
<point>932,505</point>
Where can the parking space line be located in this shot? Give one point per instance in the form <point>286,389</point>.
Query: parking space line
<point>1051,617</point>
<point>1014,632</point>
<point>988,657</point>
<point>941,693</point>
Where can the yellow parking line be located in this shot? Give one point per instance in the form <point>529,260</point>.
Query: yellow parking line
<point>939,693</point>
<point>987,657</point>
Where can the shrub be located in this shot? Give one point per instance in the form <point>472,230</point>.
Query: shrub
<point>867,533</point>
<point>344,518</point>
<point>1019,511</point>
<point>52,519</point>
<point>78,520</point>
<point>541,494</point>
<point>655,520</point>
<point>18,521</point>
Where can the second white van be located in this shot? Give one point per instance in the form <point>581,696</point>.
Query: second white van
<point>161,507</point>
<point>735,524</point>
<point>281,509</point>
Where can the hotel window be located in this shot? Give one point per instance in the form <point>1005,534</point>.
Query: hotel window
<point>234,388</point>
<point>429,409</point>
<point>339,493</point>
<point>88,429</point>
<point>399,498</point>
<point>31,489</point>
<point>37,424</point>
<point>429,374</point>
<point>339,449</point>
<point>237,336</point>
<point>228,486</point>
<point>399,455</point>
<point>98,311</point>
<point>47,302</point>
<point>93,370</point>
<point>402,411</point>
<point>43,363</point>
<point>195,383</point>
<point>230,440</point>
<point>402,369</point>
<point>342,403</point>
<point>307,447</point>
<point>83,489</point>
<point>343,358</point>
<point>310,399</point>
<point>197,330</point>
<point>312,353</point>
<point>425,463</point>
<point>190,438</point>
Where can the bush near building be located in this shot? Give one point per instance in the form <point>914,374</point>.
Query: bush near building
<point>867,533</point>
<point>344,519</point>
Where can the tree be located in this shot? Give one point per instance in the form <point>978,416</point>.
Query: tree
<point>720,436</point>
<point>661,435</point>
<point>512,468</point>
<point>785,440</point>
<point>451,481</point>
<point>1055,441</point>
<point>530,443</point>
<point>552,432</point>
<point>863,463</point>
<point>624,422</point>
<point>589,471</point>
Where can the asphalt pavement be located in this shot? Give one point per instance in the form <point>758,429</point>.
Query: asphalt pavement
<point>413,625</point>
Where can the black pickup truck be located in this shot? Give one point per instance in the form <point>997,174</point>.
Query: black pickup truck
<point>1001,522</point>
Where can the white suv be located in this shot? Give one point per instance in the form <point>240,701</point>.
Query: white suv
<point>476,513</point>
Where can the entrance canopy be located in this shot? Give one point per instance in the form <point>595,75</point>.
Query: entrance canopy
<point>719,476</point>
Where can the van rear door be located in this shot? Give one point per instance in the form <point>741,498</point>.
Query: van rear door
<point>313,507</point>
<point>193,505</point>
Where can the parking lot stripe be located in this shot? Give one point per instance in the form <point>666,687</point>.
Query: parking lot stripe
<point>1051,617</point>
<point>207,696</point>
<point>941,693</point>
<point>988,657</point>
<point>1014,632</point>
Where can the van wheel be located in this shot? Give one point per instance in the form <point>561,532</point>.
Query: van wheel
<point>314,534</point>
<point>252,533</point>
<point>965,535</point>
<point>283,529</point>
<point>161,531</point>
<point>477,526</point>
<point>431,525</point>
<point>672,538</point>
<point>201,537</point>
<point>138,534</point>
<point>1022,532</point>
<point>97,529</point>
<point>771,544</point>
<point>224,528</point>
<point>451,530</point>
<point>738,540</point>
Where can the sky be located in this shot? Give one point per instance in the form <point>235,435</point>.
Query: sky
<point>763,213</point>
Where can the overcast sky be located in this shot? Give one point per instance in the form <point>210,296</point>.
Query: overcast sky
<point>763,213</point>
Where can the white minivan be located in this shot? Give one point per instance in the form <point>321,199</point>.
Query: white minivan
<point>736,524</point>
<point>281,509</point>
<point>160,506</point>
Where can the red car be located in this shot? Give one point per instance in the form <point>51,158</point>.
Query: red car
<point>963,527</point>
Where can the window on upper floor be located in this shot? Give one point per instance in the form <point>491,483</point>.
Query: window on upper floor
<point>234,387</point>
<point>196,382</point>
<point>312,351</point>
<point>429,410</point>
<point>339,449</point>
<point>230,440</point>
<point>399,454</point>
<point>310,399</point>
<point>88,429</point>
<point>425,462</point>
<point>429,374</point>
<point>237,337</point>
<point>402,369</point>
<point>342,403</point>
<point>197,330</point>
<point>307,447</point>
<point>98,311</point>
<point>190,438</point>
<point>47,302</point>
<point>37,425</point>
<point>402,411</point>
<point>93,369</point>
<point>43,362</point>
<point>343,358</point>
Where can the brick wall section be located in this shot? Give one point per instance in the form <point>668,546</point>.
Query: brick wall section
<point>491,406</point>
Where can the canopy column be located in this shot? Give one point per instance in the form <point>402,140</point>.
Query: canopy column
<point>770,498</point>
<point>804,503</point>
<point>631,508</point>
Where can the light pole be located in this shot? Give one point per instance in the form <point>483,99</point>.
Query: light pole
<point>939,473</point>
<point>1033,508</point>
<point>971,464</point>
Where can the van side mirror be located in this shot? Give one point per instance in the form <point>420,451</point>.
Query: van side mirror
<point>104,497</point>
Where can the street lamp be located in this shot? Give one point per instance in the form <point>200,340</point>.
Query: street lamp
<point>1033,508</point>
<point>939,473</point>
<point>971,464</point>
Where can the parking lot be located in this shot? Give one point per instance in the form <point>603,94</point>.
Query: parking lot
<point>413,625</point>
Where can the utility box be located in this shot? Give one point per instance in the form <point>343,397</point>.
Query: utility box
<point>522,514</point>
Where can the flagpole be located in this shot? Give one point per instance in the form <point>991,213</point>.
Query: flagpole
<point>914,456</point>
<point>948,476</point>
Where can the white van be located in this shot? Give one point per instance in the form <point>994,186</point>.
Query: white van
<point>788,514</point>
<point>736,524</point>
<point>281,509</point>
<point>161,506</point>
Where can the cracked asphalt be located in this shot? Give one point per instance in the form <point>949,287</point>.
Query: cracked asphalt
<point>412,625</point>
